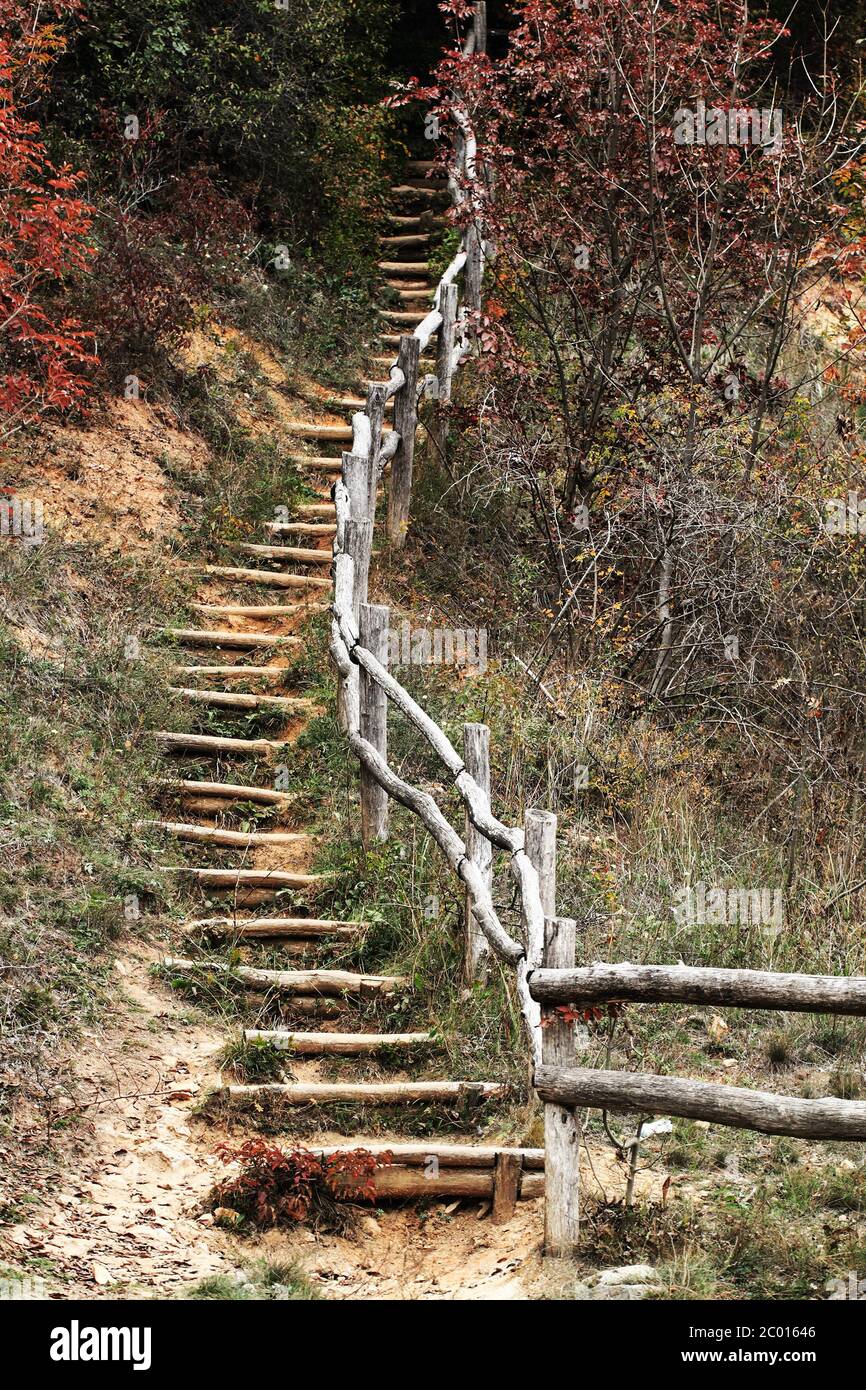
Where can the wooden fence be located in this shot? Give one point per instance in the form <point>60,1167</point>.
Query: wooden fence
<point>544,958</point>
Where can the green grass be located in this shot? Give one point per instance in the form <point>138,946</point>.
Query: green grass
<point>262,1281</point>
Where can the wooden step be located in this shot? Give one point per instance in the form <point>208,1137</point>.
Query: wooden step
<point>421,166</point>
<point>367,1092</point>
<point>233,672</point>
<point>410,239</point>
<point>303,429</point>
<point>215,835</point>
<point>413,317</point>
<point>213,743</point>
<point>319,463</point>
<point>275,578</point>
<point>231,791</point>
<point>316,509</point>
<point>254,928</point>
<point>295,554</point>
<point>339,1044</point>
<point>423,191</point>
<point>195,637</point>
<point>264,610</point>
<point>231,699</point>
<point>403,267</point>
<point>304,528</point>
<point>304,982</point>
<point>406,295</point>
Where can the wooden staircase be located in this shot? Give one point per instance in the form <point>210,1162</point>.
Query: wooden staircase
<point>252,642</point>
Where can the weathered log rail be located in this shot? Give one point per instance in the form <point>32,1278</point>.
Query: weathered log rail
<point>544,956</point>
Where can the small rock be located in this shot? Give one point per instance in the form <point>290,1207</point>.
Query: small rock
<point>369,1226</point>
<point>206,1219</point>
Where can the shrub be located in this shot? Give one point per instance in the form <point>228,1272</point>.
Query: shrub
<point>277,1187</point>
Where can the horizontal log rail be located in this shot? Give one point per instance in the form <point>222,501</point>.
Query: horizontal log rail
<point>684,984</point>
<point>643,1093</point>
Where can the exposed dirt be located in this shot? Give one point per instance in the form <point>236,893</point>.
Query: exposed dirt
<point>110,480</point>
<point>123,1216</point>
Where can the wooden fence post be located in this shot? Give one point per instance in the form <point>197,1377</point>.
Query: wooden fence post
<point>405,419</point>
<point>373,622</point>
<point>356,476</point>
<point>562,1134</point>
<point>540,846</point>
<point>359,544</point>
<point>377,395</point>
<point>507,1172</point>
<point>476,756</point>
<point>445,347</point>
<point>474,267</point>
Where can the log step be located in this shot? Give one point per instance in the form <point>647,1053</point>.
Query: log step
<point>230,790</point>
<point>316,509</point>
<point>401,1184</point>
<point>446,1155</point>
<point>212,743</point>
<point>367,1092</point>
<point>304,528</point>
<point>304,928</point>
<point>202,638</point>
<point>422,191</point>
<point>271,577</point>
<point>263,610</point>
<point>320,463</point>
<point>248,672</point>
<point>411,239</point>
<point>230,699</point>
<point>303,429</point>
<point>215,835</point>
<point>403,267</point>
<point>305,982</point>
<point>339,1044</point>
<point>407,316</point>
<point>251,878</point>
<point>298,556</point>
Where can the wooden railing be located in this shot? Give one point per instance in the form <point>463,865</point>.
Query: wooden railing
<point>544,956</point>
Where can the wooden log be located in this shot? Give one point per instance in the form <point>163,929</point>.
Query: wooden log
<point>476,756</point>
<point>234,672</point>
<point>359,544</point>
<point>298,555</point>
<point>230,699</point>
<point>301,528</point>
<point>506,1187</point>
<point>448,308</point>
<point>540,844</point>
<point>338,1044</point>
<point>474,268</point>
<point>403,267</point>
<point>366,1092</point>
<point>562,1132</point>
<point>201,638</point>
<point>377,395</point>
<point>304,429</point>
<point>327,982</point>
<point>356,476</point>
<point>249,878</point>
<point>274,578</point>
<point>374,624</point>
<point>405,420</point>
<point>261,610</point>
<point>214,835</point>
<point>303,928</point>
<point>432,1154</point>
<point>210,743</point>
<point>399,1183</point>
<point>231,791</point>
<point>646,1094</point>
<point>685,984</point>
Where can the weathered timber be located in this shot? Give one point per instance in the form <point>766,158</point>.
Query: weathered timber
<point>374,622</point>
<point>366,1092</point>
<point>216,743</point>
<point>304,982</point>
<point>562,1133</point>
<point>340,1044</point>
<point>646,1094</point>
<point>686,984</point>
<point>201,638</point>
<point>275,579</point>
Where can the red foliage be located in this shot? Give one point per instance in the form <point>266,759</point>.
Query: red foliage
<point>44,353</point>
<point>276,1186</point>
